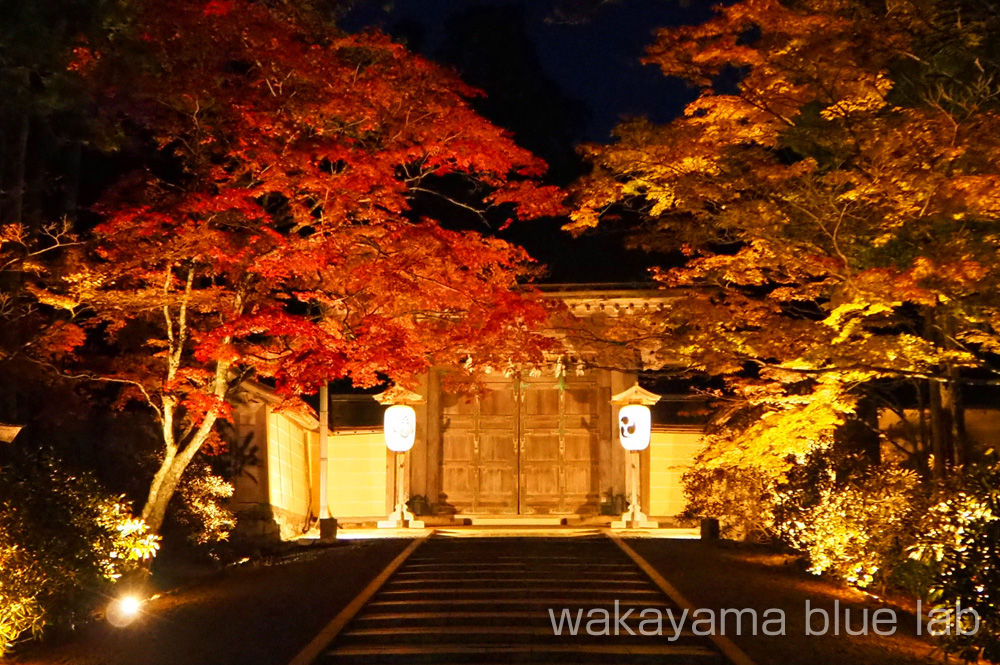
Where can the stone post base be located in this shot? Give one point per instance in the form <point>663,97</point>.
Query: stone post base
<point>634,519</point>
<point>635,524</point>
<point>401,518</point>
<point>327,529</point>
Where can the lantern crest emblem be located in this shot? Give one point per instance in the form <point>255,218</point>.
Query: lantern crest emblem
<point>400,427</point>
<point>634,427</point>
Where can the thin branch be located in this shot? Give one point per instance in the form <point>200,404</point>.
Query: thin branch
<point>106,379</point>
<point>479,213</point>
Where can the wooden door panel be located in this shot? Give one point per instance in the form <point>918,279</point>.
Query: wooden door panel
<point>458,473</point>
<point>540,454</point>
<point>496,483</point>
<point>479,459</point>
<point>560,453</point>
<point>497,460</point>
<point>541,495</point>
<point>460,484</point>
<point>457,405</point>
<point>540,400</point>
<point>580,445</point>
<point>497,491</point>
<point>581,493</point>
<point>580,401</point>
<point>498,400</point>
<point>529,447</point>
<point>457,446</point>
<point>542,482</point>
<point>497,447</point>
<point>540,447</point>
<point>579,488</point>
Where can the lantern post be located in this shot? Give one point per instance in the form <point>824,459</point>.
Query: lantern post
<point>327,522</point>
<point>634,430</point>
<point>400,428</point>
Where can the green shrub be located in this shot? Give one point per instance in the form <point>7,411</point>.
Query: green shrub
<point>21,580</point>
<point>63,542</point>
<point>959,540</point>
<point>200,509</point>
<point>856,527</point>
<point>741,499</point>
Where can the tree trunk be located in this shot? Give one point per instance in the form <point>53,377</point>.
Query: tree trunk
<point>940,431</point>
<point>177,459</point>
<point>155,509</point>
<point>169,475</point>
<point>960,435</point>
<point>155,494</point>
<point>869,433</point>
<point>954,401</point>
<point>922,438</point>
<point>15,210</point>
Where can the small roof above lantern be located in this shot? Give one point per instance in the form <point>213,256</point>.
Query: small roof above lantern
<point>8,432</point>
<point>635,395</point>
<point>398,395</point>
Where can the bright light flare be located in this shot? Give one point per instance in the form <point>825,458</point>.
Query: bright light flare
<point>123,611</point>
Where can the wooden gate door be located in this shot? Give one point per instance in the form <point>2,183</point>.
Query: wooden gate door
<point>528,446</point>
<point>558,449</point>
<point>479,450</point>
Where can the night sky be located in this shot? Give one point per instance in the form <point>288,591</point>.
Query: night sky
<point>594,60</point>
<point>556,73</point>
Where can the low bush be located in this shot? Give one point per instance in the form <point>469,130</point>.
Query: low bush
<point>63,543</point>
<point>741,499</point>
<point>958,540</point>
<point>199,508</point>
<point>856,528</point>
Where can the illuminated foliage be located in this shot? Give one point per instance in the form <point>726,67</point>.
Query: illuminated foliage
<point>833,188</point>
<point>958,538</point>
<point>856,530</point>
<point>202,510</point>
<point>741,499</point>
<point>791,425</point>
<point>833,193</point>
<point>24,264</point>
<point>61,540</point>
<point>281,229</point>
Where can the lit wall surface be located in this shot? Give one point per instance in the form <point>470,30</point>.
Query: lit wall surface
<point>357,474</point>
<point>288,465</point>
<point>671,453</point>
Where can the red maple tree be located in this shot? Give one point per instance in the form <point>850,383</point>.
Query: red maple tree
<point>275,231</point>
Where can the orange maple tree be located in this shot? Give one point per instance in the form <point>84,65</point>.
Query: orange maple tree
<point>276,231</point>
<point>834,187</point>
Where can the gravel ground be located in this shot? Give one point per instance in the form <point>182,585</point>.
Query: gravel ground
<point>259,615</point>
<point>721,575</point>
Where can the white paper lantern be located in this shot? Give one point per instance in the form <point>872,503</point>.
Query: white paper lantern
<point>634,424</point>
<point>400,426</point>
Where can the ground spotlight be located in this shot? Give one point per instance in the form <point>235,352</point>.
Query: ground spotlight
<point>124,610</point>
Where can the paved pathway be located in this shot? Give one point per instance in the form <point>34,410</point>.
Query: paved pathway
<point>487,600</point>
